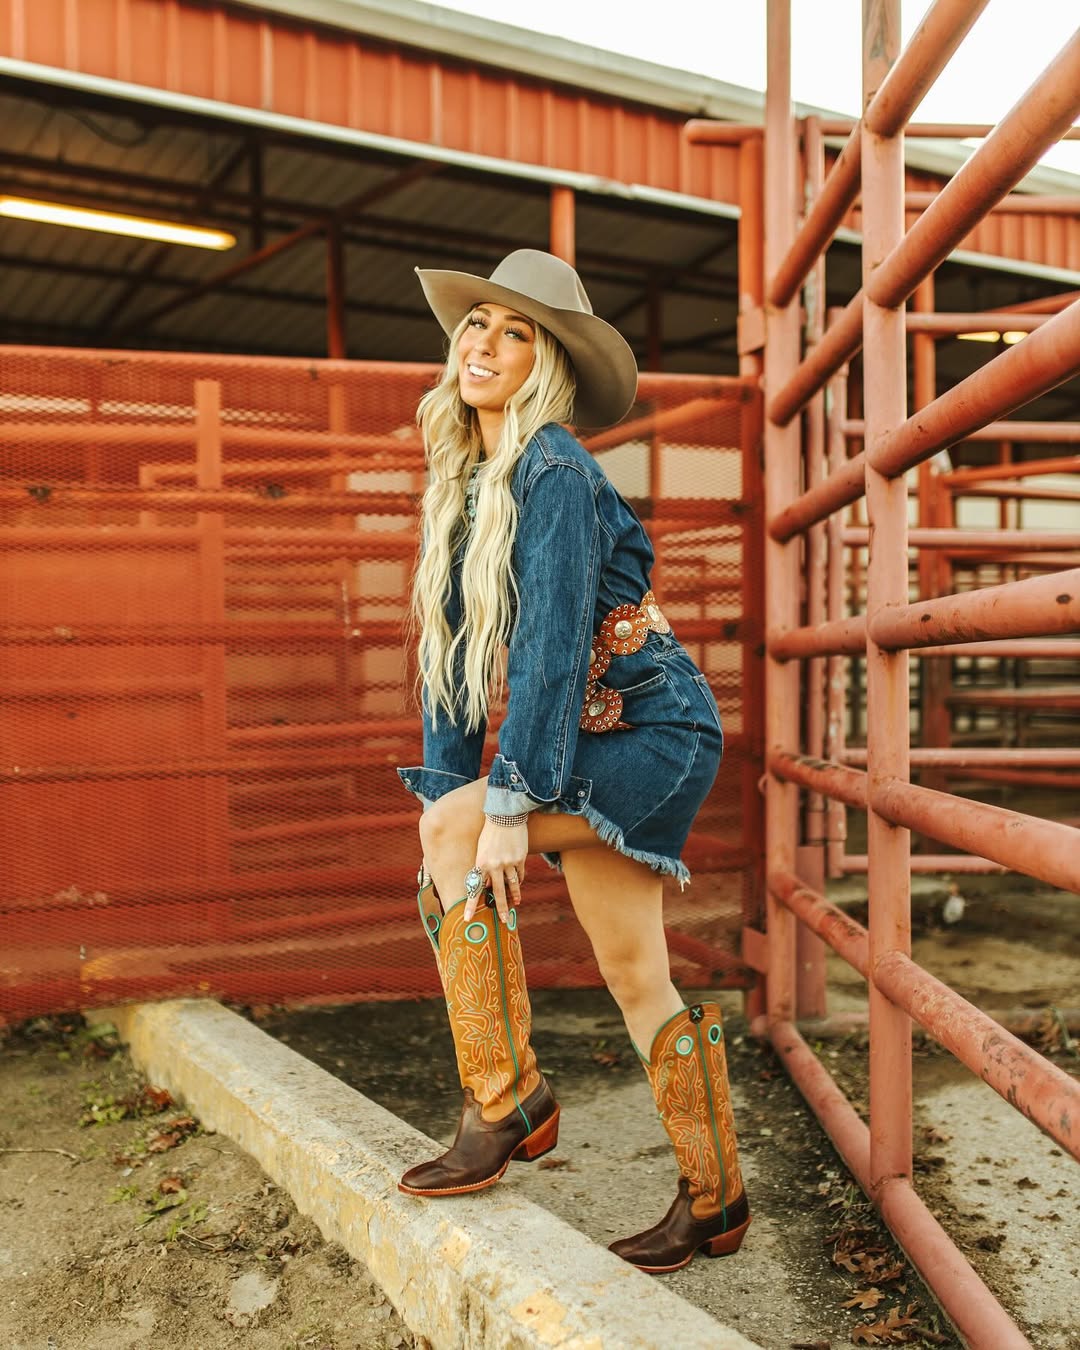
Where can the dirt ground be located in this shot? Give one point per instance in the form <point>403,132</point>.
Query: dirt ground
<point>138,1228</point>
<point>227,1261</point>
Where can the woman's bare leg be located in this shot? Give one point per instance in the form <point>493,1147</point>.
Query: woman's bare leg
<point>619,902</point>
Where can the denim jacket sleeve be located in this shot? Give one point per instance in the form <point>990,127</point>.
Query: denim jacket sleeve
<point>452,754</point>
<point>557,562</point>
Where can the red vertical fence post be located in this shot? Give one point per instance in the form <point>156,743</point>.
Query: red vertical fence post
<point>336,341</point>
<point>751,339</point>
<point>211,565</point>
<point>836,609</point>
<point>782,559</point>
<point>562,232</point>
<point>885,385</point>
<point>809,948</point>
<point>934,674</point>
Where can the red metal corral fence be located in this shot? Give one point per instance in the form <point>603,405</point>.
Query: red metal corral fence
<point>206,564</point>
<point>806,497</point>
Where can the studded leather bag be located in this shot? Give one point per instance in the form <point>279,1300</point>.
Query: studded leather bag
<point>624,630</point>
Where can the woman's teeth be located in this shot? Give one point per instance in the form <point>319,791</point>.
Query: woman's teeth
<point>480,373</point>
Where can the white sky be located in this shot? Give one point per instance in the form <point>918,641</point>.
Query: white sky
<point>1010,44</point>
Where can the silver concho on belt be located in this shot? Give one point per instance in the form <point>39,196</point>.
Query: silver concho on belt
<point>624,630</point>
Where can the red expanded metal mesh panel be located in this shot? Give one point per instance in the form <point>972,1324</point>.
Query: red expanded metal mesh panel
<point>206,564</point>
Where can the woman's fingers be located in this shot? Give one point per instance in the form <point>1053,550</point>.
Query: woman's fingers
<point>504,883</point>
<point>498,888</point>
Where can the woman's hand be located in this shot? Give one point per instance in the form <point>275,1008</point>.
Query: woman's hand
<point>500,856</point>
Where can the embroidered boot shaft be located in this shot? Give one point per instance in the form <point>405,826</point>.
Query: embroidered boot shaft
<point>687,1070</point>
<point>688,1073</point>
<point>509,1109</point>
<point>488,1003</point>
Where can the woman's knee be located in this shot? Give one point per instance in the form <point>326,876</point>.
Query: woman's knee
<point>444,825</point>
<point>432,830</point>
<point>632,972</point>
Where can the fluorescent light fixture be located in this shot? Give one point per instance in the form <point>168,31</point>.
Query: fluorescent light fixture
<point>111,222</point>
<point>1011,337</point>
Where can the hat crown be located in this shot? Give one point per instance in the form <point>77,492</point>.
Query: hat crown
<point>542,277</point>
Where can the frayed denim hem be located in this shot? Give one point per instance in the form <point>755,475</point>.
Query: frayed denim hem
<point>610,833</point>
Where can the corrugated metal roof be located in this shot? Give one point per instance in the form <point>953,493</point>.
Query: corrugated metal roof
<point>77,286</point>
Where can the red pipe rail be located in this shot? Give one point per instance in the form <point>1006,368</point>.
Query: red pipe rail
<point>858,536</point>
<point>1045,359</point>
<point>857,864</point>
<point>1030,469</point>
<point>1013,430</point>
<point>1031,608</point>
<point>1036,607</point>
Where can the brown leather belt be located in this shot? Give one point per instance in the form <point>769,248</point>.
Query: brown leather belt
<point>623,631</point>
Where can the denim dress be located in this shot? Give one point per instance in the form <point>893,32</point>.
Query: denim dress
<point>579,552</point>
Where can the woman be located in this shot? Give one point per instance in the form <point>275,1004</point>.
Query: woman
<point>610,742</point>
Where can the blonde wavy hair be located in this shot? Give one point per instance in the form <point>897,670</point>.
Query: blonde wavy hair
<point>453,447</point>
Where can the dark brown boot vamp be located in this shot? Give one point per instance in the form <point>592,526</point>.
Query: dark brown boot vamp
<point>679,1233</point>
<point>481,1148</point>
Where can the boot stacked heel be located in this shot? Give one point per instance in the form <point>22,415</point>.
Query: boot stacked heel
<point>727,1244</point>
<point>541,1141</point>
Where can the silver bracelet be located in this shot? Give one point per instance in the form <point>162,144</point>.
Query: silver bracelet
<point>508,821</point>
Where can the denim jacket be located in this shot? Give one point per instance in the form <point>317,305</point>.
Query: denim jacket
<point>579,551</point>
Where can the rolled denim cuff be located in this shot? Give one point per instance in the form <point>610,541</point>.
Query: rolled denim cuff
<point>501,801</point>
<point>428,785</point>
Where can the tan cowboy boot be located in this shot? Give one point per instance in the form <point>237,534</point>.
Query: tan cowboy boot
<point>688,1072</point>
<point>509,1111</point>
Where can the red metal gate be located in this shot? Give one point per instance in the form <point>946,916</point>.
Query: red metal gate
<point>206,563</point>
<point>805,502</point>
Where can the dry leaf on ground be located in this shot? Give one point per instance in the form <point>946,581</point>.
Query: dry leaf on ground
<point>864,1298</point>
<point>896,1329</point>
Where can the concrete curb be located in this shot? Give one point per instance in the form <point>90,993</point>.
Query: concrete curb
<point>491,1270</point>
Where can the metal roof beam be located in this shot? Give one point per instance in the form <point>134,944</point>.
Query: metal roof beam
<point>33,332</point>
<point>150,268</point>
<point>664,276</point>
<point>471,243</point>
<point>94,272</point>
<point>341,213</point>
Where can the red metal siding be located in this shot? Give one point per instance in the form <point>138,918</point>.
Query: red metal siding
<point>345,79</point>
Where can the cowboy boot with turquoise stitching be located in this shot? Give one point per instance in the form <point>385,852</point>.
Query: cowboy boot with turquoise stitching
<point>687,1069</point>
<point>509,1111</point>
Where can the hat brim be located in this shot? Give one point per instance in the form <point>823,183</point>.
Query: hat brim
<point>605,368</point>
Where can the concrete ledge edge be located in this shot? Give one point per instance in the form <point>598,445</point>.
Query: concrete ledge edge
<point>490,1270</point>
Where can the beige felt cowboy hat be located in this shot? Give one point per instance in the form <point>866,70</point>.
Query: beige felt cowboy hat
<point>546,289</point>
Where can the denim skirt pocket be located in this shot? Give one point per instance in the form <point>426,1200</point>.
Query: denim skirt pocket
<point>651,702</point>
